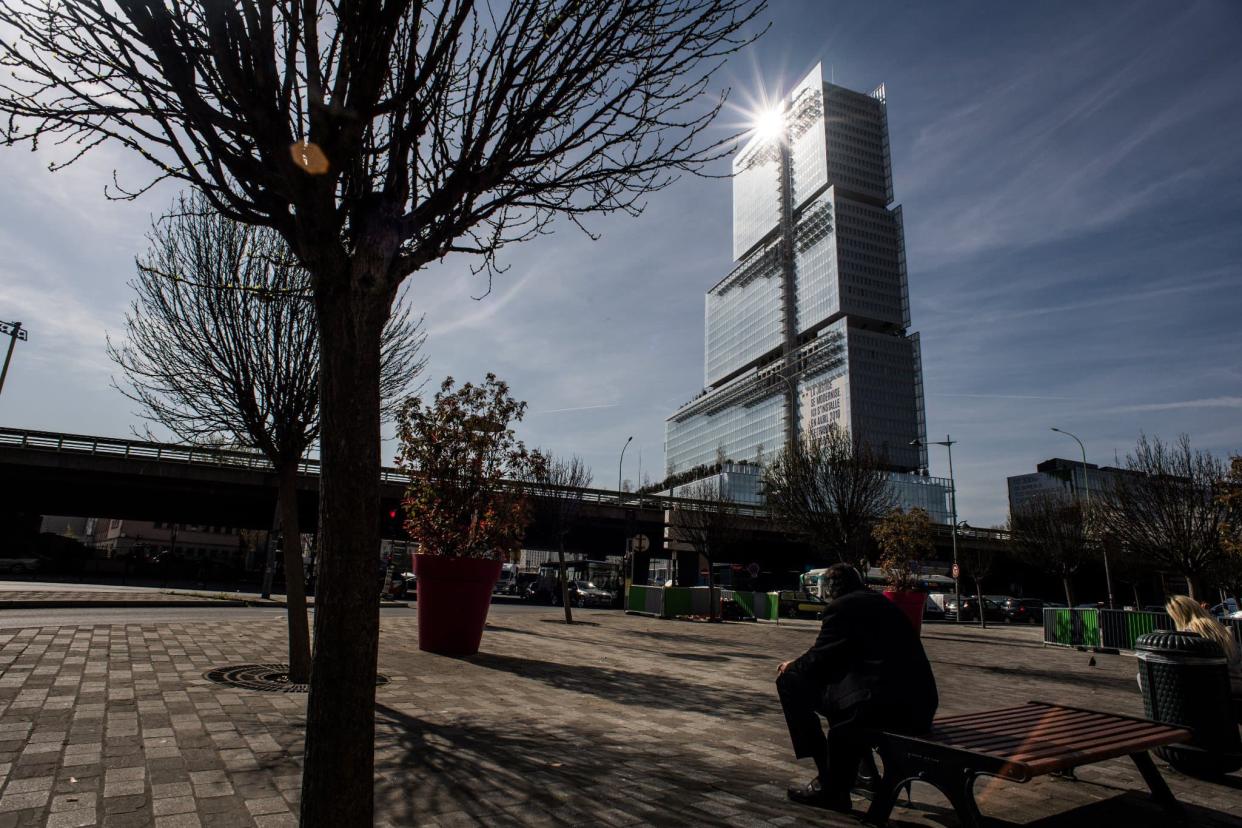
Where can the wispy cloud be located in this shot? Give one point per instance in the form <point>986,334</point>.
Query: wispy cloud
<point>1179,405</point>
<point>575,408</point>
<point>1006,396</point>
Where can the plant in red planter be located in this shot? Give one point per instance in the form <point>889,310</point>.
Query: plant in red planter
<point>904,539</point>
<point>466,505</point>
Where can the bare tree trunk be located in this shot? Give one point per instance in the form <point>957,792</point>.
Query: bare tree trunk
<point>1138,602</point>
<point>1069,591</point>
<point>560,559</point>
<point>983,622</point>
<point>1193,586</point>
<point>338,776</point>
<point>295,592</point>
<point>711,589</point>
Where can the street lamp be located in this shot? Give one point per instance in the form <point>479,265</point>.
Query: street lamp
<point>947,442</point>
<point>629,553</point>
<point>1086,492</point>
<point>14,331</point>
<point>619,465</point>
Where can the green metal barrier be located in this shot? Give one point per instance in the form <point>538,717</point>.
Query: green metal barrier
<point>677,601</point>
<point>669,602</point>
<point>1072,627</point>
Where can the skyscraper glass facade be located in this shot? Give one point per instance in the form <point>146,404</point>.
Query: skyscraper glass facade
<point>810,328</point>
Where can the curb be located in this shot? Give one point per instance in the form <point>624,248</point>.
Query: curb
<point>89,604</point>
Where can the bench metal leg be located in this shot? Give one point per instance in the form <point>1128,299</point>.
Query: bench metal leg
<point>1159,788</point>
<point>957,786</point>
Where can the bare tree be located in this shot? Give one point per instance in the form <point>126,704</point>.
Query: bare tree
<point>377,137</point>
<point>221,347</point>
<point>1167,508</point>
<point>976,561</point>
<point>1229,569</point>
<point>1050,532</point>
<point>557,495</point>
<point>708,522</point>
<point>831,489</point>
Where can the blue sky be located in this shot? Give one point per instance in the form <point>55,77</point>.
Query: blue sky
<point>1071,176</point>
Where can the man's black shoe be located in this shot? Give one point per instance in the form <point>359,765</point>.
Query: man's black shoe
<point>812,793</point>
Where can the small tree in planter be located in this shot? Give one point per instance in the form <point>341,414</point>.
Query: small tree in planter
<point>465,504</point>
<point>904,539</point>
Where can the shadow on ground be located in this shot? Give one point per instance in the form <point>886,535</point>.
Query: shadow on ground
<point>486,775</point>
<point>650,690</point>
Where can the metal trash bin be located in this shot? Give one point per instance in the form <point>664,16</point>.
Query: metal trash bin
<point>1185,681</point>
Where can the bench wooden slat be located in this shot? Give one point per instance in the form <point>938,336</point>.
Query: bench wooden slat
<point>1004,713</point>
<point>1079,729</point>
<point>1101,752</point>
<point>961,734</point>
<point>1122,730</point>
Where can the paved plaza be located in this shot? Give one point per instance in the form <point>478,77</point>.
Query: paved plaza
<point>619,720</point>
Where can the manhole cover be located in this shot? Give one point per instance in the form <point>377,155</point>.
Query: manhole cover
<point>268,678</point>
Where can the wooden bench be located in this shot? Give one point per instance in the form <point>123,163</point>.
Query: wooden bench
<point>1018,744</point>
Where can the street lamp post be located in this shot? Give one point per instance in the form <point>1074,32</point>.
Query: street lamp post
<point>14,331</point>
<point>620,463</point>
<point>1086,492</point>
<point>948,442</point>
<point>629,553</point>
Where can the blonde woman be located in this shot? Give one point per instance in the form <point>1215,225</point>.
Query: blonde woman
<point>1188,616</point>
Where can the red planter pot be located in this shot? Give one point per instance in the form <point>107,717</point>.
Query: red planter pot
<point>453,598</point>
<point>911,603</point>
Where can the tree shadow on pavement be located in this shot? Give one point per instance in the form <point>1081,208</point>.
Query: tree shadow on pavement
<point>651,690</point>
<point>481,773</point>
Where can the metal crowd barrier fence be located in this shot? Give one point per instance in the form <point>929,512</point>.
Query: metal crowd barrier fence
<point>1101,628</point>
<point>762,606</point>
<point>670,602</point>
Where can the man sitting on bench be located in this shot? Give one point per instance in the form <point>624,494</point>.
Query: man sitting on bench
<point>867,670</point>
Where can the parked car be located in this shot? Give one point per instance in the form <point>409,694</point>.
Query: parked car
<point>525,580</point>
<point>800,604</point>
<point>17,566</point>
<point>970,609</point>
<point>1023,610</point>
<point>587,594</point>
<point>403,586</point>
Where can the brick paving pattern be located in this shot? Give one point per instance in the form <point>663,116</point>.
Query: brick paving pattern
<point>619,721</point>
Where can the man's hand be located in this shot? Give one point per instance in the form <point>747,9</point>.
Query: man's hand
<point>782,667</point>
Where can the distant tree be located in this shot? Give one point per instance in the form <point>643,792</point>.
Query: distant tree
<point>1228,572</point>
<point>707,521</point>
<point>977,562</point>
<point>1127,566</point>
<point>557,495</point>
<point>378,137</point>
<point>830,488</point>
<point>221,348</point>
<point>904,539</point>
<point>1049,532</point>
<point>1167,508</point>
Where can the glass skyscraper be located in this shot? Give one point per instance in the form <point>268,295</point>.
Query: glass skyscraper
<point>811,326</point>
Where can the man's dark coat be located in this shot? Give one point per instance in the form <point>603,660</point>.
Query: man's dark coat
<point>869,657</point>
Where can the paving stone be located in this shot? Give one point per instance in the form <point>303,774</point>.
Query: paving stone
<point>76,818</point>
